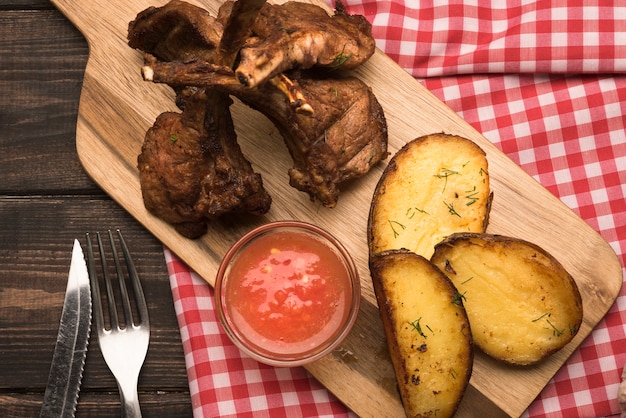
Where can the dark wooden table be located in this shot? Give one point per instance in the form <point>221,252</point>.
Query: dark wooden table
<point>47,200</point>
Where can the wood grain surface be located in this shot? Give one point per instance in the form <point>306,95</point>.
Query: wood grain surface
<point>47,200</point>
<point>117,107</point>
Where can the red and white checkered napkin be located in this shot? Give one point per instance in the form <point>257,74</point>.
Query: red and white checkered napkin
<point>545,81</point>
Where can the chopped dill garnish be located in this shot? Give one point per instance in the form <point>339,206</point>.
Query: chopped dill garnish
<point>444,173</point>
<point>483,172</point>
<point>471,196</point>
<point>467,280</point>
<point>418,327</point>
<point>555,331</point>
<point>458,298</point>
<point>410,212</point>
<point>548,314</point>
<point>392,224</point>
<point>341,58</point>
<point>451,209</point>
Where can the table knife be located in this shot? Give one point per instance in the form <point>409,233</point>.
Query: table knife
<point>68,361</point>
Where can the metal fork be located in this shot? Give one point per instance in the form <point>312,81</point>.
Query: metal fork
<point>124,346</point>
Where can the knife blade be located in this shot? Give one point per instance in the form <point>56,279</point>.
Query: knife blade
<point>68,361</point>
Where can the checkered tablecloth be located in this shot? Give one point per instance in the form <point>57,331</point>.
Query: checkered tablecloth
<point>545,81</point>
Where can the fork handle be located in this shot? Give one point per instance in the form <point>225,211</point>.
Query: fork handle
<point>130,402</point>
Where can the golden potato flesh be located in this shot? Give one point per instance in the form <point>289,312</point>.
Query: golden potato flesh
<point>521,303</point>
<point>427,332</point>
<point>435,185</point>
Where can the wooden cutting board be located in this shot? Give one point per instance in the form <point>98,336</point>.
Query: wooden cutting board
<point>117,107</point>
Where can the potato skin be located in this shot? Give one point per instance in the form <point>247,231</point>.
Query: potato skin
<point>522,304</point>
<point>427,332</point>
<point>435,185</point>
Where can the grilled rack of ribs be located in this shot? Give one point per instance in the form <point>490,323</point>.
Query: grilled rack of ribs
<point>285,61</point>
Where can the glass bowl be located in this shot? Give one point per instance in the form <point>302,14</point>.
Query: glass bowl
<point>287,293</point>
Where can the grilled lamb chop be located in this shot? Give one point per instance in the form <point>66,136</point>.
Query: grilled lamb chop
<point>301,35</point>
<point>192,169</point>
<point>341,140</point>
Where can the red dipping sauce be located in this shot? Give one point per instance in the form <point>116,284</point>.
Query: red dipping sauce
<point>287,293</point>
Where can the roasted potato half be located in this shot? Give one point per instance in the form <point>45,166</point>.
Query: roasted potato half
<point>435,185</point>
<point>521,303</point>
<point>427,332</point>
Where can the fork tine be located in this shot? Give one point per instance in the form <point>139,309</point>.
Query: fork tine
<point>95,288</point>
<point>128,314</point>
<point>142,306</point>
